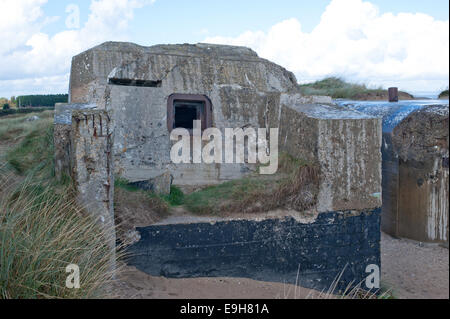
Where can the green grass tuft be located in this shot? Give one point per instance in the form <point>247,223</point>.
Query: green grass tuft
<point>209,199</point>
<point>175,198</point>
<point>31,149</point>
<point>42,231</point>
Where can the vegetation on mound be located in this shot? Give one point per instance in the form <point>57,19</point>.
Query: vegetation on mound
<point>155,203</point>
<point>214,199</point>
<point>42,230</point>
<point>34,152</point>
<point>444,94</point>
<point>293,187</point>
<point>337,88</point>
<point>159,203</point>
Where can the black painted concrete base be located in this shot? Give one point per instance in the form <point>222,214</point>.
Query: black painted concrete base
<point>269,250</point>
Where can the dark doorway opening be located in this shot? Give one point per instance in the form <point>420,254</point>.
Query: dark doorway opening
<point>186,112</point>
<point>184,109</point>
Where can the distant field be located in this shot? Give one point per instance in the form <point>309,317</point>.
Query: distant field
<point>339,89</point>
<point>24,110</point>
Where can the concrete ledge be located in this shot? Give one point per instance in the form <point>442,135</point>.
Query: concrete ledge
<point>63,112</point>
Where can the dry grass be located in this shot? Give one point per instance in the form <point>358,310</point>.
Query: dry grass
<point>41,232</point>
<point>15,127</point>
<point>297,192</point>
<point>136,208</point>
<point>352,291</point>
<point>294,187</point>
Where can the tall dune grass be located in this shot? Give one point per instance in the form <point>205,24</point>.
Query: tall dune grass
<point>42,229</point>
<point>42,232</point>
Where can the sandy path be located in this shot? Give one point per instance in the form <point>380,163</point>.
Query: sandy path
<point>414,270</point>
<point>136,284</point>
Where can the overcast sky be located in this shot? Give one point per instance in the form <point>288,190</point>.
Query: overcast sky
<point>402,43</point>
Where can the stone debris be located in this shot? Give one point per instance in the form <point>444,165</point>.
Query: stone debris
<point>33,118</point>
<point>159,185</point>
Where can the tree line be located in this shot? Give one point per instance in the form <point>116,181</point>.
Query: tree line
<point>39,100</point>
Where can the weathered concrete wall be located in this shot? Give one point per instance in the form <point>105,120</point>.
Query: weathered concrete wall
<point>244,90</point>
<point>414,168</point>
<point>62,137</point>
<point>92,165</point>
<point>345,144</point>
<point>235,79</point>
<point>421,143</point>
<point>61,140</point>
<point>268,250</point>
<point>186,67</point>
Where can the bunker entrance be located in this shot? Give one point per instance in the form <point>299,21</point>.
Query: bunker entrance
<point>186,112</point>
<point>183,109</point>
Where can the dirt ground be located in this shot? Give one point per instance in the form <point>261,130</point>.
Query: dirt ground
<point>409,270</point>
<point>414,270</point>
<point>138,285</point>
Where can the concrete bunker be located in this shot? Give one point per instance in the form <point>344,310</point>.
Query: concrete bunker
<point>420,142</point>
<point>414,169</point>
<point>133,92</point>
